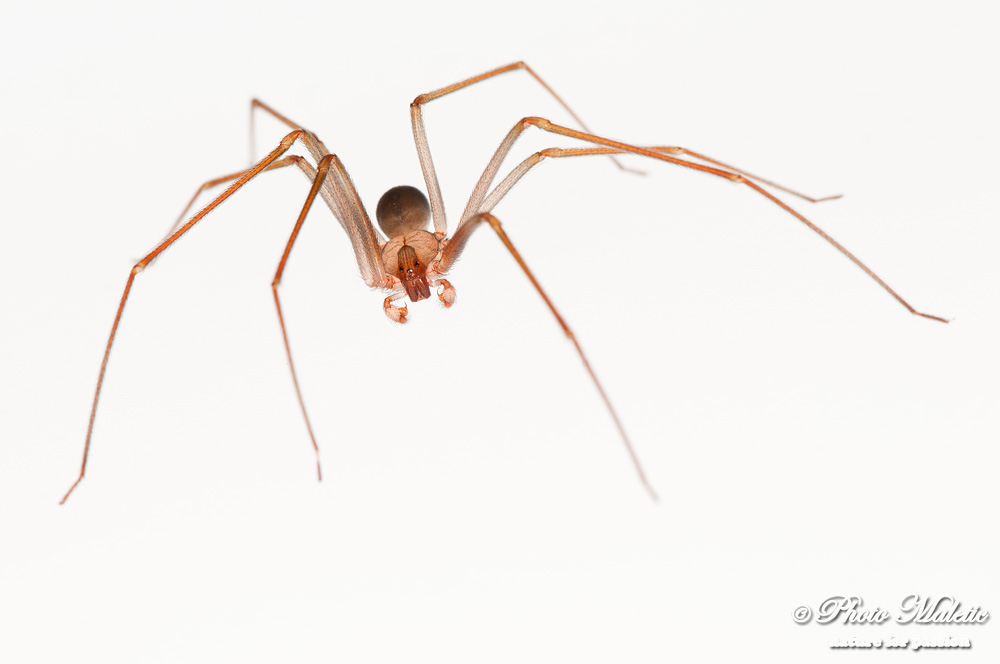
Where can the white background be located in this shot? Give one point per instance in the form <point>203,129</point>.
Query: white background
<point>808,436</point>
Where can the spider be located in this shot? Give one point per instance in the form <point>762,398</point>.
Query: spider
<point>407,260</point>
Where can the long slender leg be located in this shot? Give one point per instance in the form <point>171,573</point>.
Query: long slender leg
<point>696,155</point>
<point>364,238</point>
<point>321,172</point>
<point>344,202</point>
<point>548,126</point>
<point>210,184</point>
<point>318,152</point>
<point>487,203</point>
<point>262,165</point>
<point>489,173</point>
<point>420,135</point>
<point>341,197</point>
<point>317,177</point>
<point>349,210</point>
<point>462,235</point>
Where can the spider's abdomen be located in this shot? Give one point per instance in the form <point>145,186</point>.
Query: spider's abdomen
<point>402,210</point>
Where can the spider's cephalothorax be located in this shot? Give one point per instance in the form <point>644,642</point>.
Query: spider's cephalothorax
<point>403,214</point>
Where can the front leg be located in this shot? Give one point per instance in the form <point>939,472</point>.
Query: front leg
<point>447,260</point>
<point>420,134</point>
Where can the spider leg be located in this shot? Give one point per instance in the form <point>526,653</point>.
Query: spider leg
<point>420,135</point>
<point>484,204</point>
<point>459,240</point>
<point>262,165</point>
<point>318,150</point>
<point>487,203</point>
<point>210,184</point>
<point>318,178</point>
<point>660,154</point>
<point>489,173</point>
<point>344,202</point>
<point>341,197</point>
<point>696,155</point>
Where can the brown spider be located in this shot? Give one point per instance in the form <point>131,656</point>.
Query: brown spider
<point>409,260</point>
